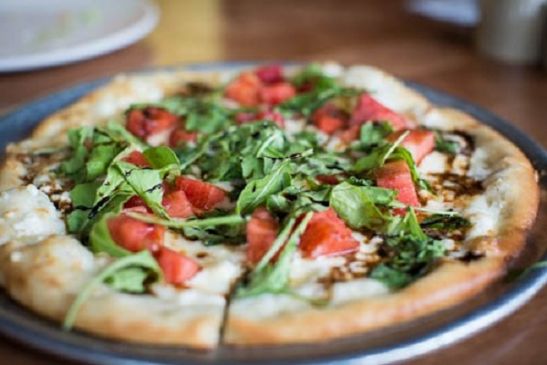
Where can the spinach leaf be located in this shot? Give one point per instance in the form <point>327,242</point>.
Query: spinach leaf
<point>143,261</point>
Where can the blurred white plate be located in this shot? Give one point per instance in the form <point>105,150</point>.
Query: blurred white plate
<point>43,33</point>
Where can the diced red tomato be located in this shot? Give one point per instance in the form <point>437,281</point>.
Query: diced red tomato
<point>177,268</point>
<point>396,175</point>
<point>368,109</point>
<point>135,235</point>
<point>261,233</point>
<point>245,89</point>
<point>276,93</point>
<point>329,119</point>
<point>134,202</point>
<point>327,235</point>
<point>137,159</point>
<point>177,204</point>
<point>202,195</point>
<point>327,179</point>
<point>270,74</point>
<point>180,135</point>
<point>273,116</point>
<point>149,121</point>
<point>419,142</point>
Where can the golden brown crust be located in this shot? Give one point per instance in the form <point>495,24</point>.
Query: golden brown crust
<point>37,283</point>
<point>512,180</point>
<point>449,284</point>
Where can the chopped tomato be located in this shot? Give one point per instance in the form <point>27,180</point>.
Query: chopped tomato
<point>396,175</point>
<point>327,179</point>
<point>177,268</point>
<point>245,89</point>
<point>149,121</point>
<point>177,204</point>
<point>248,117</point>
<point>269,74</point>
<point>276,93</point>
<point>368,109</point>
<point>329,119</point>
<point>350,134</point>
<point>135,235</point>
<point>273,116</point>
<point>261,233</point>
<point>419,142</point>
<point>327,235</point>
<point>180,135</point>
<point>137,159</point>
<point>134,202</point>
<point>202,195</point>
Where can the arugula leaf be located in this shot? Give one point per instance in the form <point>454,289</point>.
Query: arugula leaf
<point>444,222</point>
<point>373,134</point>
<point>227,229</point>
<point>83,195</point>
<point>257,191</point>
<point>356,205</point>
<point>146,183</point>
<point>130,280</point>
<point>306,103</point>
<point>101,241</point>
<point>77,139</point>
<point>160,157</point>
<point>446,146</point>
<point>410,252</point>
<point>313,75</point>
<point>118,134</point>
<point>142,260</point>
<point>393,278</point>
<point>99,159</point>
<point>274,277</point>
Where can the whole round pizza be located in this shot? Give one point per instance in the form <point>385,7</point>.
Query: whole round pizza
<point>273,205</point>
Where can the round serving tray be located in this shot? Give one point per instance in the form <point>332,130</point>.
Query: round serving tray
<point>378,347</point>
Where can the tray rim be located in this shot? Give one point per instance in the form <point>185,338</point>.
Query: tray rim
<point>448,334</point>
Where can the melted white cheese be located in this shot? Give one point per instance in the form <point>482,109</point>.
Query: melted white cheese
<point>27,214</point>
<point>357,289</point>
<point>479,166</point>
<point>433,163</point>
<point>305,270</point>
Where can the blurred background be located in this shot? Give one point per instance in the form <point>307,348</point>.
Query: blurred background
<point>495,62</point>
<point>491,52</point>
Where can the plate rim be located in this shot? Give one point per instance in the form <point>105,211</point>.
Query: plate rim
<point>447,334</point>
<point>96,47</point>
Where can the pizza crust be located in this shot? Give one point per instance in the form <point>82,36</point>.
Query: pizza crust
<point>37,276</point>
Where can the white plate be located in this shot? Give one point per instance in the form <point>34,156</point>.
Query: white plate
<point>43,33</point>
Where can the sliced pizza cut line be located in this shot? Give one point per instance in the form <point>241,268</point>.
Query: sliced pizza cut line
<point>241,208</point>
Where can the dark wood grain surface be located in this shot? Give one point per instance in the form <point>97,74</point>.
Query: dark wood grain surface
<point>372,32</point>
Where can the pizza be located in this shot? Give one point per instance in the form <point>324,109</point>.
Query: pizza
<point>268,205</point>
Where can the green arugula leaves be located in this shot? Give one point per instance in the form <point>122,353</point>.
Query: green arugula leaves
<point>128,274</point>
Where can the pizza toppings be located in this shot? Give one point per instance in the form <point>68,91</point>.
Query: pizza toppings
<point>262,230</point>
<point>135,235</point>
<point>327,235</point>
<point>285,166</point>
<point>146,122</point>
<point>396,175</point>
<point>177,268</point>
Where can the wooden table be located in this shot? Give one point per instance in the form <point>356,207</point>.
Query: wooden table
<point>373,32</point>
